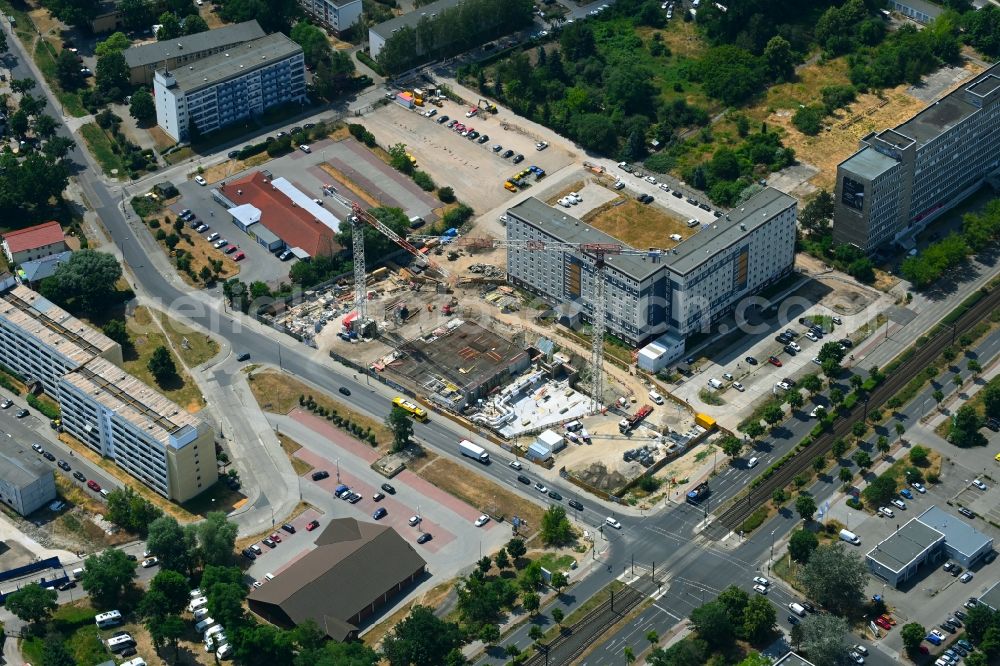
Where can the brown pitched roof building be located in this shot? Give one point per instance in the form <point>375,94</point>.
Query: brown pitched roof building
<point>355,569</point>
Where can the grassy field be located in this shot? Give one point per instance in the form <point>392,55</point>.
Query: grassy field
<point>198,348</point>
<point>290,446</point>
<point>75,621</point>
<point>145,336</point>
<point>279,394</point>
<point>179,155</point>
<point>100,147</point>
<point>637,224</point>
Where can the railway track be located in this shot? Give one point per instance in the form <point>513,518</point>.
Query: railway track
<point>733,516</point>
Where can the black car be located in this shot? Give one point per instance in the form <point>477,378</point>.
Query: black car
<point>269,543</point>
<point>960,615</point>
<point>308,126</point>
<point>846,342</point>
<point>483,139</point>
<point>783,339</point>
<point>249,554</point>
<point>379,513</point>
<point>21,413</point>
<point>965,511</point>
<point>353,498</point>
<point>389,489</point>
<point>63,465</point>
<point>344,390</point>
<point>792,619</point>
<point>320,475</point>
<point>295,130</point>
<point>518,159</point>
<point>576,505</point>
<point>245,356</point>
<point>507,153</point>
<point>79,477</point>
<point>677,194</point>
<point>751,360</point>
<point>808,606</point>
<point>48,456</point>
<point>288,528</point>
<point>790,350</point>
<point>443,119</point>
<point>990,556</point>
<point>424,538</point>
<point>523,479</point>
<point>232,154</point>
<point>128,652</point>
<point>947,627</point>
<point>6,403</point>
<point>554,495</point>
<point>68,585</point>
<point>473,135</point>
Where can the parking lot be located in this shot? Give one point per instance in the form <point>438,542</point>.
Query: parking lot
<point>472,169</point>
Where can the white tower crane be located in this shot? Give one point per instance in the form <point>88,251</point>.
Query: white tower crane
<point>597,252</point>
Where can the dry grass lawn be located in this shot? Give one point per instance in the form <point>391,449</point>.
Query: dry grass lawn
<point>160,138</point>
<point>638,225</point>
<point>572,187</point>
<point>201,250</point>
<point>193,347</point>
<point>432,599</point>
<point>278,393</point>
<point>145,335</point>
<point>46,23</point>
<point>479,492</point>
<point>224,170</point>
<point>290,446</point>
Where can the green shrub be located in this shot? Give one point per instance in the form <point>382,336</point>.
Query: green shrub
<point>423,180</point>
<point>48,410</point>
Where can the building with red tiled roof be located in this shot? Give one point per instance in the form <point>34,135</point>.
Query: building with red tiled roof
<point>37,242</point>
<point>283,211</point>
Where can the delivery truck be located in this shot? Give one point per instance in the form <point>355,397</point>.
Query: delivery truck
<point>797,609</point>
<point>467,448</point>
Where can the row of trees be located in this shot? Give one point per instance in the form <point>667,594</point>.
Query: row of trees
<point>332,70</point>
<point>979,230</point>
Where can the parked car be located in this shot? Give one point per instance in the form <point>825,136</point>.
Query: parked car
<point>311,525</point>
<point>576,504</point>
<point>482,520</point>
<point>380,513</point>
<point>320,475</point>
<point>388,488</point>
<point>94,485</point>
<point>79,477</point>
<point>424,538</point>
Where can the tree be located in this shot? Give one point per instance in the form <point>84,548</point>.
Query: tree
<point>225,603</point>
<point>817,213</point>
<point>161,364</point>
<point>555,528</point>
<point>713,625</point>
<point>693,652</point>
<point>835,578</point>
<point>169,630</point>
<point>136,14</point>
<point>780,61</point>
<point>112,75</point>
<point>501,559</point>
<point>862,459</point>
<point>758,619</point>
<point>117,42</point>
<point>805,506</point>
<point>174,587</point>
<point>130,511</point>
<point>974,367</point>
<point>653,637</point>
<point>422,639</point>
<point>938,396</point>
<point>809,119</point>
<point>880,490</point>
<point>44,126</point>
<point>217,539</point>
<point>263,645</point>
<point>801,545</point>
<point>977,659</point>
<point>991,398</point>
<point>402,428</point>
<point>516,549</point>
<point>912,635</point>
<point>965,428</point>
<point>753,430</point>
<point>731,446</point>
<point>628,655</point>
<point>558,581</point>
<point>823,639</point>
<point>194,24</point>
<point>32,603</point>
<point>489,634</point>
<point>794,398</point>
<point>839,447</point>
<point>558,616</point>
<point>172,544</point>
<point>882,445</point>
<point>87,279</point>
<point>812,383</point>
<point>773,414</point>
<point>900,429</point>
<point>68,71</point>
<point>845,475</point>
<point>143,109</point>
<point>530,601</point>
<point>55,652</point>
<point>107,576</point>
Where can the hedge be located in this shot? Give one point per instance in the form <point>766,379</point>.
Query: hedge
<point>367,59</point>
<point>50,411</point>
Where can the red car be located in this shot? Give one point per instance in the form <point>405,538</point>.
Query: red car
<point>94,485</point>
<point>239,256</point>
<point>275,538</point>
<point>774,360</point>
<point>311,525</point>
<point>880,621</point>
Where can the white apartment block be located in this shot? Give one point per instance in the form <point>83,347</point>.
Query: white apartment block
<point>26,482</point>
<point>147,435</point>
<point>226,87</point>
<point>42,342</point>
<point>337,16</point>
<point>679,291</point>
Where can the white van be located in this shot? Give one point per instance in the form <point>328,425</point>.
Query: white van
<point>797,609</point>
<point>714,383</point>
<point>109,619</point>
<point>119,643</point>
<point>195,604</point>
<point>850,537</point>
<point>656,397</point>
<point>204,624</point>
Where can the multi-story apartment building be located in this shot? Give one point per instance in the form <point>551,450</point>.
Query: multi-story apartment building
<point>26,483</point>
<point>902,178</point>
<point>144,59</point>
<point>147,435</point>
<point>679,291</point>
<point>335,15</point>
<point>223,88</point>
<point>42,342</point>
<point>379,34</point>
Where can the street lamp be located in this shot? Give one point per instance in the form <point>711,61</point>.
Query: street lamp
<point>338,470</point>
<point>772,552</point>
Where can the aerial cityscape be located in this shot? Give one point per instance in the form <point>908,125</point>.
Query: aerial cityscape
<point>499,332</point>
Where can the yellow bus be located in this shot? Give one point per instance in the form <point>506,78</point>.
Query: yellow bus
<point>419,413</point>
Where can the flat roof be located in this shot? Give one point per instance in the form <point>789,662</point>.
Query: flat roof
<point>53,326</point>
<point>726,231</point>
<point>386,28</point>
<point>149,54</point>
<point>902,547</point>
<point>147,409</point>
<point>958,534</point>
<point>991,597</point>
<point>460,352</point>
<point>928,8</point>
<point>19,465</point>
<point>868,163</point>
<point>568,229</point>
<point>239,60</point>
<point>948,111</point>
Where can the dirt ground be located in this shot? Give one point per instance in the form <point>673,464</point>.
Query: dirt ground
<point>639,225</point>
<point>442,153</point>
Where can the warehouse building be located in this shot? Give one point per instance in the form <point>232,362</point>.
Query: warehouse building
<point>903,178</point>
<point>241,82</point>
<point>26,483</point>
<point>143,60</point>
<point>41,342</point>
<point>675,292</point>
<point>333,15</point>
<point>355,569</point>
<point>930,538</point>
<point>150,437</point>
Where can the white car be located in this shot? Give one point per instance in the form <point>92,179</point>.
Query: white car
<point>979,484</point>
<point>677,238</point>
<point>542,145</point>
<point>886,511</point>
<point>966,577</point>
<point>760,589</point>
<point>575,198</point>
<point>482,520</point>
<point>795,346</point>
<point>514,464</point>
<point>783,386</point>
<point>201,181</point>
<point>540,487</point>
<point>212,236</point>
<point>919,487</point>
<point>898,503</point>
<point>415,519</point>
<point>815,359</point>
<point>818,411</point>
<point>663,186</point>
<point>739,387</point>
<point>612,522</point>
<point>856,657</point>
<point>760,580</point>
<point>222,242</point>
<point>149,562</point>
<point>650,179</point>
<point>564,202</point>
<point>812,337</point>
<point>859,648</point>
